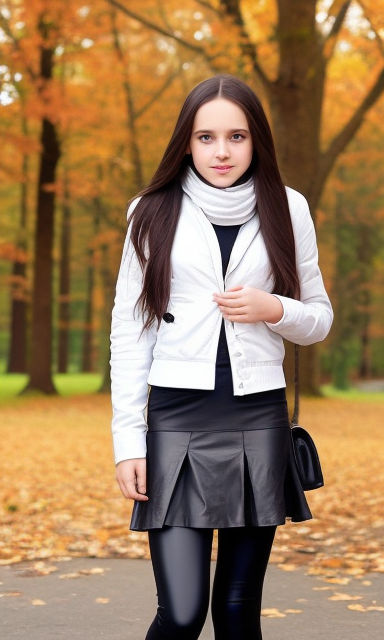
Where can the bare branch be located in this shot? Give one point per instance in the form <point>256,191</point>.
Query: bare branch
<point>340,141</point>
<point>157,94</point>
<point>378,38</point>
<point>157,28</point>
<point>232,9</point>
<point>339,8</point>
<point>207,5</point>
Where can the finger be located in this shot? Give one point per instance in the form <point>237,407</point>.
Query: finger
<point>233,310</point>
<point>238,318</point>
<point>228,295</point>
<point>134,493</point>
<point>141,481</point>
<point>128,488</point>
<point>232,303</point>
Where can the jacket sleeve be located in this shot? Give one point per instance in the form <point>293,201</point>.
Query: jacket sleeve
<point>130,360</point>
<point>309,319</point>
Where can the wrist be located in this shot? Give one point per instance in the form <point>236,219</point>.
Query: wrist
<point>275,309</point>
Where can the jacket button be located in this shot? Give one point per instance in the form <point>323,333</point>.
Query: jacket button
<point>168,317</point>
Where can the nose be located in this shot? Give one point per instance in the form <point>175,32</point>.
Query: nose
<point>222,150</point>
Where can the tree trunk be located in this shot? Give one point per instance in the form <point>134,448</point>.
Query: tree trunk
<point>17,358</point>
<point>346,291</point>
<point>296,97</point>
<point>64,282</point>
<point>41,330</point>
<point>109,292</point>
<point>295,102</point>
<point>365,357</point>
<point>87,349</point>
<point>368,245</point>
<point>87,359</point>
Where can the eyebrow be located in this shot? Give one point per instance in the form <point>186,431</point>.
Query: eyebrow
<point>212,131</point>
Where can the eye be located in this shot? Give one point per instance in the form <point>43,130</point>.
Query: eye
<point>238,136</point>
<point>205,137</point>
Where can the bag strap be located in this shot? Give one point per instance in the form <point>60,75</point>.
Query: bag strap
<point>295,416</point>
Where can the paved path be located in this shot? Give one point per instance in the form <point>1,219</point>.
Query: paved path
<point>127,604</point>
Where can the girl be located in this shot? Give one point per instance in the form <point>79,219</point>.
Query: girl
<point>219,264</point>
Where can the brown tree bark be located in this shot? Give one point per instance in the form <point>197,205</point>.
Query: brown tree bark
<point>64,282</point>
<point>368,246</point>
<point>88,360</point>
<point>87,345</point>
<point>41,327</point>
<point>17,357</point>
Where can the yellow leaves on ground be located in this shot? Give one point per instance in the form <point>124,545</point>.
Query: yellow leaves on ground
<point>102,600</point>
<point>82,572</point>
<point>344,596</point>
<point>60,498</point>
<point>345,536</point>
<point>360,607</point>
<point>275,613</point>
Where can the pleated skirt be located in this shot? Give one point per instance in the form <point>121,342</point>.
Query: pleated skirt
<point>215,460</point>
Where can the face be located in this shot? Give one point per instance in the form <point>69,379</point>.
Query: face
<point>221,143</point>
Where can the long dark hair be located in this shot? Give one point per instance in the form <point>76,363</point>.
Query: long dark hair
<point>156,215</point>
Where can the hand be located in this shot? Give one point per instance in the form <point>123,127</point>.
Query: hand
<point>131,478</point>
<point>248,304</point>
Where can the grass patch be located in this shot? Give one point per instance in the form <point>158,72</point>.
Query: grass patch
<point>67,384</point>
<point>352,394</point>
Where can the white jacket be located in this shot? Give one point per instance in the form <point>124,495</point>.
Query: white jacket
<point>182,353</point>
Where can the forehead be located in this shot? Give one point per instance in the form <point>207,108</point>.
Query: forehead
<point>220,114</point>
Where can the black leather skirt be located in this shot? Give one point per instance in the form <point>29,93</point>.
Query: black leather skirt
<point>218,460</point>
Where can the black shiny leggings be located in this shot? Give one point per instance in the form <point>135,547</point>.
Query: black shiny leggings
<point>181,559</point>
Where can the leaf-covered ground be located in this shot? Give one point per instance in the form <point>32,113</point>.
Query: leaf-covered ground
<point>59,495</point>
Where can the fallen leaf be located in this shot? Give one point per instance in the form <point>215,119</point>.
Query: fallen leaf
<point>361,608</point>
<point>287,567</point>
<point>344,596</point>
<point>92,571</point>
<point>293,611</point>
<point>272,613</point>
<point>337,580</point>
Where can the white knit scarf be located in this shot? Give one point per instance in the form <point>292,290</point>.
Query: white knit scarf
<point>228,206</point>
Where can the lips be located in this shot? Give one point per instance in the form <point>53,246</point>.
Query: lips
<point>222,168</point>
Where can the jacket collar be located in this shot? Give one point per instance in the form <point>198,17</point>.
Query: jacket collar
<point>248,231</point>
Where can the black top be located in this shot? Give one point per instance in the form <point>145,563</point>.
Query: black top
<point>201,409</point>
<point>226,237</point>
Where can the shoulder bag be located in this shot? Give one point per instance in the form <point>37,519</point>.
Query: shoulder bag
<point>304,449</point>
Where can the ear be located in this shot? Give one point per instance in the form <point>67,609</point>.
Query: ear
<point>188,150</point>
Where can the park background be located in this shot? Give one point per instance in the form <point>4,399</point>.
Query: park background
<point>89,94</point>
